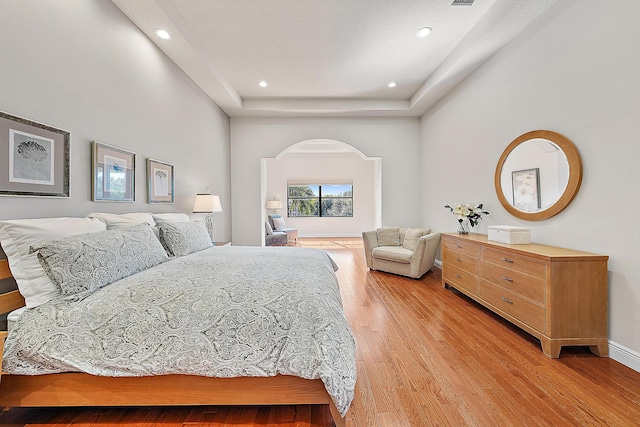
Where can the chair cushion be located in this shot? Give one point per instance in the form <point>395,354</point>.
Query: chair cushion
<point>267,228</point>
<point>411,237</point>
<point>389,236</point>
<point>392,253</point>
<point>278,223</point>
<point>277,238</point>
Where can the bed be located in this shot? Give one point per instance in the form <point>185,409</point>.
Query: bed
<point>216,326</point>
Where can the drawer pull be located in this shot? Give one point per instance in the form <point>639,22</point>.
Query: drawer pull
<point>508,279</point>
<point>507,300</point>
<point>458,276</point>
<point>458,246</point>
<point>507,260</point>
<point>458,259</point>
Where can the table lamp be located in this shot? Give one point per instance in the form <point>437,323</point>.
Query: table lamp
<point>209,204</point>
<point>274,205</point>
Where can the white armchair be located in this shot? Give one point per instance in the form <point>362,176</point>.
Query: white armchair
<point>409,252</point>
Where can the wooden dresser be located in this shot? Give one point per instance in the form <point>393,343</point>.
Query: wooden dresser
<point>558,295</point>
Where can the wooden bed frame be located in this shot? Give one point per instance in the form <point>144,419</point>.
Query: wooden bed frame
<point>79,389</point>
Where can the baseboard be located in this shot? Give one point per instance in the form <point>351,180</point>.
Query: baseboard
<point>624,355</point>
<point>438,264</point>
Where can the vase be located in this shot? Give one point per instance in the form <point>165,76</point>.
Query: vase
<point>463,227</point>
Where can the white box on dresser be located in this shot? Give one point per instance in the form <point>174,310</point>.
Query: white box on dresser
<point>510,235</point>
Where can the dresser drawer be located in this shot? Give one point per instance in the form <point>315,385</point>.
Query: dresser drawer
<point>460,260</point>
<point>515,281</point>
<point>531,266</point>
<point>511,303</point>
<point>467,248</point>
<point>459,278</point>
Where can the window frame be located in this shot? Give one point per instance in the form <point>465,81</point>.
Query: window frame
<point>319,199</point>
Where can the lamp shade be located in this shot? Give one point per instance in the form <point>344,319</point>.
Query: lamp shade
<point>274,204</point>
<point>207,203</point>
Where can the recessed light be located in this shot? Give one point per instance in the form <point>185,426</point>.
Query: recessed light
<point>262,83</point>
<point>424,32</point>
<point>162,33</point>
<point>392,84</point>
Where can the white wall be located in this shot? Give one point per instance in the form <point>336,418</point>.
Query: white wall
<point>326,169</point>
<point>575,71</point>
<point>396,140</point>
<point>84,67</point>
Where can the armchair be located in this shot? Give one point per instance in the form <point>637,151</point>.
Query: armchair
<point>277,223</point>
<point>274,238</point>
<point>409,252</point>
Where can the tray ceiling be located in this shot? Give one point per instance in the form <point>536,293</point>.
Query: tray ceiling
<point>330,57</point>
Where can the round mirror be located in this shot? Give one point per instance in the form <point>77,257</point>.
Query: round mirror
<point>538,175</point>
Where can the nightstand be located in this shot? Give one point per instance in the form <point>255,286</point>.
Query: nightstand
<point>221,243</point>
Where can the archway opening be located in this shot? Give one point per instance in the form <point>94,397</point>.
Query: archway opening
<point>325,162</point>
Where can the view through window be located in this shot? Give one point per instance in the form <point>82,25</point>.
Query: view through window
<point>327,200</point>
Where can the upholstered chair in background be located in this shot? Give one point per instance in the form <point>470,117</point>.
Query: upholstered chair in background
<point>409,252</point>
<point>274,238</point>
<point>277,223</point>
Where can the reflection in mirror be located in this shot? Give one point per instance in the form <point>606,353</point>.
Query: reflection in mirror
<point>538,175</point>
<point>534,175</point>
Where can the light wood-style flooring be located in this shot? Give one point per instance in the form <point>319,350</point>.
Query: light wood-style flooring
<point>427,356</point>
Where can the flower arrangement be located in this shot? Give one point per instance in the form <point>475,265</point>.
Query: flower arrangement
<point>467,212</point>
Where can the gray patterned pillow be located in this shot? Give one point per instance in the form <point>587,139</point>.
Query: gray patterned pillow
<point>87,262</point>
<point>183,238</point>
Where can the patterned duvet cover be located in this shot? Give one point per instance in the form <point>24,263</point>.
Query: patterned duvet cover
<point>220,312</point>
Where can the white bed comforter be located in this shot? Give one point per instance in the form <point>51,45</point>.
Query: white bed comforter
<point>221,312</point>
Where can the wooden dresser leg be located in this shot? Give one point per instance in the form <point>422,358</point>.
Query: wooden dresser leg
<point>601,349</point>
<point>550,347</point>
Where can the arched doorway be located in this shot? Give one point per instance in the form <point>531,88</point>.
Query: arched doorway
<point>325,161</point>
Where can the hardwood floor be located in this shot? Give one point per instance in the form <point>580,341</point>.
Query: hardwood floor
<point>427,356</point>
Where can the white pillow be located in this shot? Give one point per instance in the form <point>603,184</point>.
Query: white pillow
<point>171,217</point>
<point>388,236</point>
<point>268,228</point>
<point>16,236</point>
<point>412,236</point>
<point>278,223</point>
<point>115,221</point>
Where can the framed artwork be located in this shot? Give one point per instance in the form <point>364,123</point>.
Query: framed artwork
<point>34,158</point>
<point>526,189</point>
<point>159,181</point>
<point>113,173</point>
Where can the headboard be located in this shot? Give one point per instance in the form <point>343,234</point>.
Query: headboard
<point>10,297</point>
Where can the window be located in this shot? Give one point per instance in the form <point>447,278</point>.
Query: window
<point>328,200</point>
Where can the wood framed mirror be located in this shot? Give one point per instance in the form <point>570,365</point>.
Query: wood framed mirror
<point>538,175</point>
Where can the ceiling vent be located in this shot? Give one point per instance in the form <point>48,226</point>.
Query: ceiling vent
<point>462,2</point>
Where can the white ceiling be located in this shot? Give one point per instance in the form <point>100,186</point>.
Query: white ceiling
<point>329,57</point>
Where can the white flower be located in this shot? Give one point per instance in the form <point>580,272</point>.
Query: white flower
<point>468,211</point>
<point>461,211</point>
